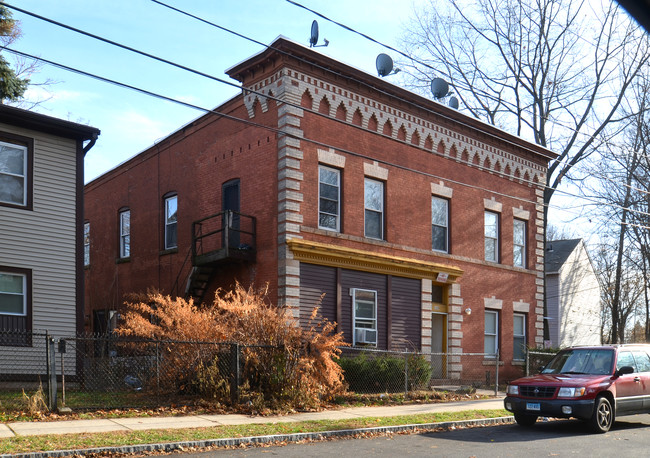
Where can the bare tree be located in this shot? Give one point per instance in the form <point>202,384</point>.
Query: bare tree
<point>622,184</point>
<point>553,71</point>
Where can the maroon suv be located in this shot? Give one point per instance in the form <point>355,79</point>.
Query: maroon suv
<point>594,384</point>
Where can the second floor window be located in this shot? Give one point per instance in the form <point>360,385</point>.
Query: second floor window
<point>125,234</point>
<point>491,236</point>
<point>329,198</point>
<point>519,243</point>
<point>13,174</point>
<point>86,243</point>
<point>171,208</point>
<point>374,209</point>
<point>439,224</point>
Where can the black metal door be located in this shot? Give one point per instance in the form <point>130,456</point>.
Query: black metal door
<point>230,206</point>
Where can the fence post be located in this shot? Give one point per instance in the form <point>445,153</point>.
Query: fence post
<point>527,361</point>
<point>496,375</point>
<point>406,375</point>
<point>51,372</point>
<point>157,369</point>
<point>234,383</point>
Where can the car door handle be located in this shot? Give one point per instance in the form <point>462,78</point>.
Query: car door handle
<point>637,379</point>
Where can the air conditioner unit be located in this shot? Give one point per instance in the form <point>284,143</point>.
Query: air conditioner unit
<point>365,336</point>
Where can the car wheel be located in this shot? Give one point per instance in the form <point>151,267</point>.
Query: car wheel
<point>525,420</point>
<point>603,416</point>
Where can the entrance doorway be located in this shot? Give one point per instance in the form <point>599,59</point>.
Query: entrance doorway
<point>439,345</point>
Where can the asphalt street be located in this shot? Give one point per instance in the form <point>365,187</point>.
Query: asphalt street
<point>560,438</point>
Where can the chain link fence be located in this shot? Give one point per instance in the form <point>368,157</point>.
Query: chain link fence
<point>536,359</point>
<point>110,372</point>
<point>380,371</point>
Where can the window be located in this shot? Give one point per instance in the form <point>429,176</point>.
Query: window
<point>374,204</point>
<point>14,170</point>
<point>329,199</point>
<point>439,224</point>
<point>125,233</point>
<point>491,338</point>
<point>519,243</point>
<point>519,337</point>
<point>365,317</point>
<point>625,358</point>
<point>491,236</point>
<point>13,294</point>
<point>15,306</point>
<point>171,207</point>
<point>86,243</point>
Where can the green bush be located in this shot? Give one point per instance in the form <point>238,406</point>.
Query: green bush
<point>367,373</point>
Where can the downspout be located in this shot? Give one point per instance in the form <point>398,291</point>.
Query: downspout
<point>90,144</point>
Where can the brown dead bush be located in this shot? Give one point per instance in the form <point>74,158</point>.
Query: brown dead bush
<point>283,364</point>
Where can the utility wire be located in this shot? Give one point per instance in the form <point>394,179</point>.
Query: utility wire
<point>262,126</point>
<point>197,72</point>
<point>251,91</point>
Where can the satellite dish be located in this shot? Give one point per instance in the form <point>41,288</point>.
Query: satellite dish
<point>453,102</point>
<point>313,39</point>
<point>439,88</point>
<point>384,64</point>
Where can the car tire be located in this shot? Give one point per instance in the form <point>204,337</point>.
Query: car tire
<point>603,416</point>
<point>525,420</point>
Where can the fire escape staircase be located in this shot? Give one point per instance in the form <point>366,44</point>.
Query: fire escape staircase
<point>218,241</point>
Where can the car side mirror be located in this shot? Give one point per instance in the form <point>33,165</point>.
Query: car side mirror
<point>624,370</point>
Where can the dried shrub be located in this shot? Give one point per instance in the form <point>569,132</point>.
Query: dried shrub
<point>35,404</point>
<point>282,363</point>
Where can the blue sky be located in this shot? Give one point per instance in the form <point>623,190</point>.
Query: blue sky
<point>131,122</point>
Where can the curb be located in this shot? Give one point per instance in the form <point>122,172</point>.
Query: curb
<point>253,440</point>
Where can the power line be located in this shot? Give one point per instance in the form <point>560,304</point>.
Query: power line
<point>262,126</point>
<point>268,96</point>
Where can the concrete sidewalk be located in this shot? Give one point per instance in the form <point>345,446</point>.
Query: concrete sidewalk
<point>203,421</point>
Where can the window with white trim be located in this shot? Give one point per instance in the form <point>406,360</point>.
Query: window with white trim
<point>14,169</point>
<point>519,243</point>
<point>329,198</point>
<point>439,224</point>
<point>364,317</point>
<point>171,209</point>
<point>374,209</point>
<point>13,294</point>
<point>519,337</point>
<point>86,243</point>
<point>491,236</point>
<point>125,233</point>
<point>491,333</point>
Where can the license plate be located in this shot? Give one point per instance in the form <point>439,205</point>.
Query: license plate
<point>532,406</point>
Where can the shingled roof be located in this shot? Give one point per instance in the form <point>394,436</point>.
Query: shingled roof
<point>557,253</point>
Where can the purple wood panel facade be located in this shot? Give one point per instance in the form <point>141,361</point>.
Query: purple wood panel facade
<point>398,302</point>
<point>314,282</point>
<point>406,306</point>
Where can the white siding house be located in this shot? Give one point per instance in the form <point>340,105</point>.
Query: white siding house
<point>572,294</point>
<point>41,228</point>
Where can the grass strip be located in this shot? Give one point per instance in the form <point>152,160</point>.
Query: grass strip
<point>26,444</point>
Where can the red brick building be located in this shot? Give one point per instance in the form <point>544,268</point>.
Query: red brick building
<point>422,226</point>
